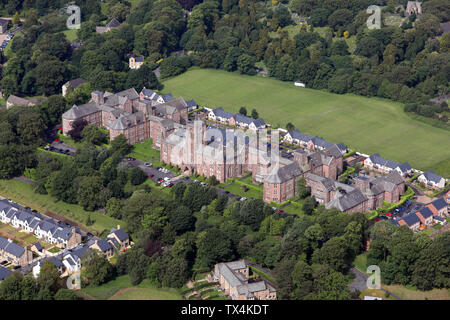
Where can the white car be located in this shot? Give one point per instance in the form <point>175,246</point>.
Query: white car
<point>243,199</point>
<point>167,179</point>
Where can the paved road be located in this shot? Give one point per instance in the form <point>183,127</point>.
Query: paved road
<point>360,283</point>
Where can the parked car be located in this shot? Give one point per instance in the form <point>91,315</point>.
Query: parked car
<point>166,179</point>
<point>151,176</point>
<point>170,185</point>
<point>148,164</point>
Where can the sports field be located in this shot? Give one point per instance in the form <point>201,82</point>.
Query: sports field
<point>367,124</point>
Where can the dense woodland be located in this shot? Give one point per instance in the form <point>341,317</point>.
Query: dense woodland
<point>191,229</point>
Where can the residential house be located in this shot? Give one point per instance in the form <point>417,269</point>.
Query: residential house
<point>239,120</point>
<point>37,247</point>
<point>233,278</point>
<point>119,238</point>
<point>4,273</point>
<point>13,253</point>
<point>104,247</point>
<point>135,62</point>
<point>432,180</point>
<point>439,208</point>
<point>312,143</point>
<point>425,216</point>
<point>58,264</point>
<point>71,85</point>
<point>411,220</point>
<point>113,24</point>
<point>380,164</point>
<point>18,101</point>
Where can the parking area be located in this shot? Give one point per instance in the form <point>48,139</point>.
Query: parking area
<point>61,147</point>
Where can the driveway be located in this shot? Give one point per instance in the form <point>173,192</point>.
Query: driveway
<point>360,282</point>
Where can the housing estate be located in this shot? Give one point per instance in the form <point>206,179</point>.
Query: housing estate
<point>233,278</point>
<point>47,230</point>
<point>380,164</point>
<point>236,119</point>
<point>312,143</point>
<point>432,180</point>
<point>4,23</point>
<point>432,213</point>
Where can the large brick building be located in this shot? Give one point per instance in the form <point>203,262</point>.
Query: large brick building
<point>137,116</point>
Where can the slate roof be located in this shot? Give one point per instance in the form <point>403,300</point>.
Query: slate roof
<point>4,273</point>
<point>347,200</point>
<point>38,246</point>
<point>75,82</point>
<point>411,219</point>
<point>120,233</point>
<point>54,260</point>
<point>439,203</point>
<point>11,247</point>
<point>104,245</point>
<point>342,147</point>
<point>18,101</point>
<point>431,176</point>
<point>319,142</point>
<point>285,173</point>
<point>113,23</point>
<point>219,112</point>
<point>147,92</point>
<point>426,212</point>
<point>4,23</point>
<point>191,103</point>
<point>80,111</point>
<point>129,93</point>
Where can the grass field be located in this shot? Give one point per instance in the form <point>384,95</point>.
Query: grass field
<point>71,34</point>
<point>411,293</point>
<point>251,193</point>
<point>144,151</point>
<point>368,125</point>
<point>24,194</point>
<point>121,289</point>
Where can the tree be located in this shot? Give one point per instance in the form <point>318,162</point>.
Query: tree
<point>255,114</point>
<point>65,294</point>
<point>137,176</point>
<point>137,265</point>
<point>93,135</point>
<point>243,111</point>
<point>181,218</point>
<point>290,127</point>
<point>302,190</point>
<point>48,277</point>
<point>213,180</point>
<point>213,246</point>
<point>97,268</point>
<point>282,16</point>
<point>246,64</point>
<point>10,288</point>
<point>89,191</point>
<point>77,127</point>
<point>120,145</point>
<point>16,19</point>
<point>333,253</point>
<point>309,205</point>
<point>142,77</point>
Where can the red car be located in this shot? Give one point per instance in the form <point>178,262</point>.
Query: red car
<point>56,140</point>
<point>377,219</point>
<point>151,176</point>
<point>280,211</point>
<point>389,214</point>
<point>160,179</point>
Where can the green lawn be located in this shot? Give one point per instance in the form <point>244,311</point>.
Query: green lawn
<point>251,193</point>
<point>23,193</point>
<point>360,262</point>
<point>144,151</point>
<point>144,291</point>
<point>54,250</point>
<point>31,239</point>
<point>368,125</point>
<point>71,34</point>
<point>295,207</point>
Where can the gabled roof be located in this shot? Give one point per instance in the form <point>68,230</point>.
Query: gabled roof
<point>219,112</point>
<point>120,233</point>
<point>80,111</point>
<point>11,247</point>
<point>411,219</point>
<point>319,142</point>
<point>113,23</point>
<point>53,260</point>
<point>284,174</point>
<point>347,200</point>
<point>104,245</point>
<point>129,93</point>
<point>18,101</point>
<point>439,203</point>
<point>431,176</point>
<point>4,273</point>
<point>425,212</point>
<point>74,83</point>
